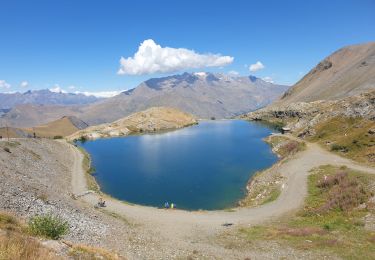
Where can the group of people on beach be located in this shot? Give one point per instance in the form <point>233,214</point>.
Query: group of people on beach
<point>169,206</point>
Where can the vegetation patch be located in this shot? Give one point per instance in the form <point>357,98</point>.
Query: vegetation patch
<point>284,146</point>
<point>83,252</point>
<point>348,136</point>
<point>91,182</point>
<point>273,195</point>
<point>332,219</point>
<point>18,246</point>
<point>48,226</point>
<point>16,243</point>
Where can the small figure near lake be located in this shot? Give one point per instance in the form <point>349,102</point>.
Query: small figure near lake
<point>101,202</point>
<point>166,205</point>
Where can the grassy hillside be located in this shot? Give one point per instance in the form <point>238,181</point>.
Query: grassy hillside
<point>348,136</point>
<point>337,218</point>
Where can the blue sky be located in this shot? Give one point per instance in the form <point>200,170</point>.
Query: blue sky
<point>80,43</point>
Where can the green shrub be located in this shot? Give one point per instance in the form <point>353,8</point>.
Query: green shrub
<point>57,137</point>
<point>337,147</point>
<point>48,226</point>
<point>7,149</point>
<point>82,139</point>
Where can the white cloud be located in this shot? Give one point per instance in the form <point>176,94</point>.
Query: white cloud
<point>257,66</point>
<point>152,58</point>
<point>4,84</point>
<point>57,89</point>
<point>268,79</point>
<point>24,84</point>
<point>233,73</point>
<point>100,94</point>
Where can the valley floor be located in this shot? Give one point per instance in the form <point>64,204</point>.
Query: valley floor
<point>138,232</point>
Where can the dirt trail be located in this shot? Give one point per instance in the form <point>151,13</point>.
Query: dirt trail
<point>179,224</point>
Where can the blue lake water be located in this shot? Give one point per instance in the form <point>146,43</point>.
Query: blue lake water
<point>206,166</point>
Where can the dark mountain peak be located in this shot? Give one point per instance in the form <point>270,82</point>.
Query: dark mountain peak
<point>171,81</point>
<point>253,78</point>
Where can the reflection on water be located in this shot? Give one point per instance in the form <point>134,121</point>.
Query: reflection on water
<point>205,166</point>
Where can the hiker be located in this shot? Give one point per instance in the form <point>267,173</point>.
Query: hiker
<point>101,202</point>
<point>166,205</point>
<point>172,206</point>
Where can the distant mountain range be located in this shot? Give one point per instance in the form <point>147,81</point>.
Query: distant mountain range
<point>202,94</point>
<point>43,97</point>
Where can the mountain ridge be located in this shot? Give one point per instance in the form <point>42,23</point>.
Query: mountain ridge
<point>44,97</point>
<point>202,94</point>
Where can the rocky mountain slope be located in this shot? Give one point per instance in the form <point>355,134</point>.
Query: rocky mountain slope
<point>334,104</point>
<point>202,94</point>
<point>343,84</point>
<point>347,72</point>
<point>43,97</point>
<point>150,120</point>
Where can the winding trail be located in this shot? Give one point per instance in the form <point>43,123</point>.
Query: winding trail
<point>174,224</point>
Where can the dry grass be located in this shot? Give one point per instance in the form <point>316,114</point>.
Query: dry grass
<point>83,252</point>
<point>350,137</point>
<point>284,146</point>
<point>344,192</point>
<point>331,221</point>
<point>58,128</point>
<point>17,244</point>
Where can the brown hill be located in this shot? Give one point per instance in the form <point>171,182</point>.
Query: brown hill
<point>347,72</point>
<point>29,115</point>
<point>62,127</point>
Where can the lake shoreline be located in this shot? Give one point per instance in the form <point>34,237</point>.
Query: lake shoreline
<point>236,204</point>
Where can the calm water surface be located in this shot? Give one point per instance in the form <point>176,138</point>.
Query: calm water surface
<point>205,166</point>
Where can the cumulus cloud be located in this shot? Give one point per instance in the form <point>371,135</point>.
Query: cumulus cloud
<point>100,94</point>
<point>24,84</point>
<point>152,58</point>
<point>57,89</point>
<point>4,84</point>
<point>233,73</point>
<point>268,79</point>
<point>256,66</point>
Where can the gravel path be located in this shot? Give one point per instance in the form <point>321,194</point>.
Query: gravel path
<point>179,224</point>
